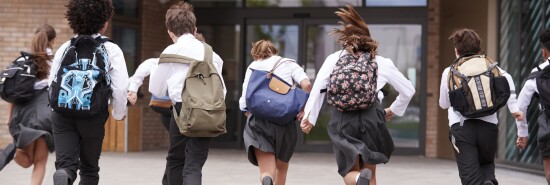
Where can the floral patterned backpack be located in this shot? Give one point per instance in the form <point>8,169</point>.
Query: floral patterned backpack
<point>353,82</point>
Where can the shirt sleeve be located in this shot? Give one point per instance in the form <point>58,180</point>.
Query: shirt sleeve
<point>444,101</point>
<point>298,73</point>
<point>160,77</point>
<point>512,101</point>
<point>56,62</point>
<point>242,100</point>
<point>401,84</point>
<point>143,70</point>
<point>316,98</point>
<point>218,64</point>
<point>119,81</point>
<point>525,96</point>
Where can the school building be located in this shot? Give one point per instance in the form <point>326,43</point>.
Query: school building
<point>413,33</point>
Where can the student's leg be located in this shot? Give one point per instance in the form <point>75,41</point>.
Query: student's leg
<point>67,145</point>
<point>25,157</point>
<point>195,157</point>
<point>175,160</point>
<point>92,132</point>
<point>266,163</point>
<point>372,168</point>
<point>40,160</point>
<point>165,119</point>
<point>282,170</point>
<point>467,156</point>
<point>487,147</point>
<point>351,176</point>
<point>546,164</point>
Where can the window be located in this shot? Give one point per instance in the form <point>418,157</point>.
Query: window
<point>379,3</point>
<point>303,3</point>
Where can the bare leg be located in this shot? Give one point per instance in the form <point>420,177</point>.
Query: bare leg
<point>266,162</point>
<point>25,156</point>
<point>282,169</point>
<point>350,178</point>
<point>546,164</point>
<point>372,168</point>
<point>40,159</point>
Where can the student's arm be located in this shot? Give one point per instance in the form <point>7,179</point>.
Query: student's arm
<point>143,70</point>
<point>444,102</point>
<point>300,76</point>
<point>242,100</point>
<point>401,84</point>
<point>523,103</point>
<point>218,63</point>
<point>316,98</point>
<point>512,101</point>
<point>119,81</point>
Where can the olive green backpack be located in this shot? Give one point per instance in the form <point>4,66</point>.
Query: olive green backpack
<point>203,102</point>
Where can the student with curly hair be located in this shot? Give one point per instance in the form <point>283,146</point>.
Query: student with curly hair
<point>78,140</point>
<point>29,125</point>
<point>357,125</point>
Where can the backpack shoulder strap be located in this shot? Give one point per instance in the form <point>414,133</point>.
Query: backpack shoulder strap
<point>103,39</point>
<point>208,53</point>
<point>174,58</point>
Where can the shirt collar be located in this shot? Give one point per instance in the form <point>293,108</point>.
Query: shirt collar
<point>185,37</point>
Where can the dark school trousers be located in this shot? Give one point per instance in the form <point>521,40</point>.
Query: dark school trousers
<point>476,141</point>
<point>78,145</point>
<point>186,156</point>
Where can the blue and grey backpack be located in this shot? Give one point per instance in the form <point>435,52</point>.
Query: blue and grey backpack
<point>81,86</point>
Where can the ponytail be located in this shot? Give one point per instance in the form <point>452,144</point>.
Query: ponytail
<point>355,36</point>
<point>40,43</point>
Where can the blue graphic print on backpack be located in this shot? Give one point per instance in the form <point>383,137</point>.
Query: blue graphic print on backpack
<point>81,87</point>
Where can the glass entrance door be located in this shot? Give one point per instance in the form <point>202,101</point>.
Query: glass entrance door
<point>309,42</point>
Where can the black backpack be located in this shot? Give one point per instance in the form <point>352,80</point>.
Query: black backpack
<point>542,79</point>
<point>81,86</point>
<point>476,86</point>
<point>17,80</point>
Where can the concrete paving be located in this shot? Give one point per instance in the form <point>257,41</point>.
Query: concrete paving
<point>231,167</point>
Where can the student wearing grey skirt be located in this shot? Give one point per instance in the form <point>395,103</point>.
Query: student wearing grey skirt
<point>271,145</point>
<point>359,136</point>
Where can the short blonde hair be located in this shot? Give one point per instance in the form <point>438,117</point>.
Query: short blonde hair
<point>263,49</point>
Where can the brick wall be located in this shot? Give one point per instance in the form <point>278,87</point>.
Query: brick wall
<point>432,99</point>
<point>154,39</point>
<point>19,20</point>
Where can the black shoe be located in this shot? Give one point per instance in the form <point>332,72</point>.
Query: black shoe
<point>364,177</point>
<point>488,183</point>
<point>267,180</point>
<point>7,155</point>
<point>60,177</point>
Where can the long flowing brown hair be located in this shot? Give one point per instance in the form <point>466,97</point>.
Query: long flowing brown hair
<point>40,43</point>
<point>355,36</point>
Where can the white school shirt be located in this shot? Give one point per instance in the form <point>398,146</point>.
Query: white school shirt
<point>289,71</point>
<point>524,99</point>
<point>143,70</point>
<point>387,73</point>
<point>171,76</point>
<point>117,72</point>
<point>41,84</point>
<point>456,117</point>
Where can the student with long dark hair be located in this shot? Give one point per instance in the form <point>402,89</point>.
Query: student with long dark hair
<point>29,123</point>
<point>352,78</point>
<point>270,145</point>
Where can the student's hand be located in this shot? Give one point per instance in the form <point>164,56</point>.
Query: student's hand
<point>132,97</point>
<point>247,114</point>
<point>521,143</point>
<point>306,126</point>
<point>300,116</point>
<point>518,115</point>
<point>389,114</point>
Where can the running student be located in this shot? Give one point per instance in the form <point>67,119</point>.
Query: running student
<point>271,145</point>
<point>359,135</point>
<point>186,155</point>
<point>474,139</point>
<point>29,125</point>
<point>79,119</point>
<point>537,87</point>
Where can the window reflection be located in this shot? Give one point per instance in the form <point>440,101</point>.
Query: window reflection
<point>396,2</point>
<point>285,38</point>
<point>127,38</point>
<point>216,3</point>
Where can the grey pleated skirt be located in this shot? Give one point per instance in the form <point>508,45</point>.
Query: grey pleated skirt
<point>269,137</point>
<point>32,120</point>
<point>543,135</point>
<point>359,133</point>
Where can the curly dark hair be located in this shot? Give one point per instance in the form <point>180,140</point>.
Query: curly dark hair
<point>87,17</point>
